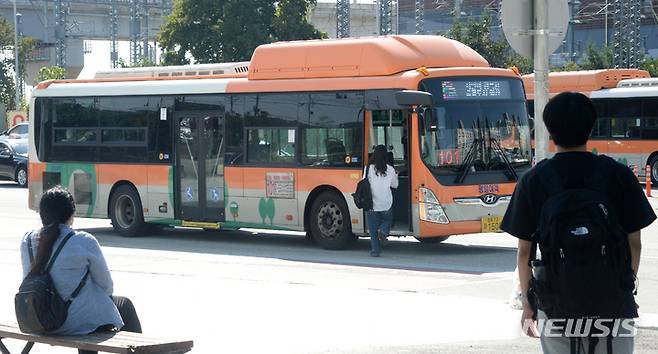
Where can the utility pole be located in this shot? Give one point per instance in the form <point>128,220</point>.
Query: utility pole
<point>626,38</point>
<point>385,17</point>
<point>135,31</point>
<point>420,16</point>
<point>17,75</point>
<point>458,10</point>
<point>540,59</point>
<point>60,33</point>
<point>145,33</point>
<point>572,29</point>
<point>606,23</point>
<point>536,28</point>
<point>114,35</point>
<point>342,18</point>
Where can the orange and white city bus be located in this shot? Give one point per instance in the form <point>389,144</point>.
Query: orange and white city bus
<point>283,145</point>
<point>626,102</point>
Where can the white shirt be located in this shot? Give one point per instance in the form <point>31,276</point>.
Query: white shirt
<point>382,197</point>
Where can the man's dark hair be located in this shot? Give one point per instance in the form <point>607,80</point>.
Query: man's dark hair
<point>569,118</point>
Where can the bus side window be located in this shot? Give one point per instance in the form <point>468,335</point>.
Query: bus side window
<point>234,130</point>
<point>650,117</point>
<point>332,133</point>
<point>601,128</point>
<point>650,129</point>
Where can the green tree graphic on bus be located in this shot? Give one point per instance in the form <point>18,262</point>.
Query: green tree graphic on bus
<point>266,209</point>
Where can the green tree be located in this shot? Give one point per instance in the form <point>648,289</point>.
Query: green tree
<point>141,62</point>
<point>26,49</point>
<point>291,21</point>
<point>50,73</point>
<point>7,87</point>
<point>568,66</point>
<point>597,58</point>
<point>525,65</point>
<point>650,65</point>
<point>477,35</point>
<point>6,32</point>
<point>213,31</point>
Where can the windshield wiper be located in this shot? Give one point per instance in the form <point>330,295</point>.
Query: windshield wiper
<point>468,160</point>
<point>512,176</point>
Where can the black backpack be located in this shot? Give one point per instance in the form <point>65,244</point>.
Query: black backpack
<point>39,307</point>
<point>585,252</point>
<point>363,195</point>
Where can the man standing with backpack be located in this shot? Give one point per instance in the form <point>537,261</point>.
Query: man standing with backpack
<point>585,213</point>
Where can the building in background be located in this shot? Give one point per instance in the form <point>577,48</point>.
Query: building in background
<point>592,22</point>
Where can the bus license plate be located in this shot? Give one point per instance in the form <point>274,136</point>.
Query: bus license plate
<point>491,223</point>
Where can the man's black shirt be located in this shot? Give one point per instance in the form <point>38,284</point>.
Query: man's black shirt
<point>623,191</point>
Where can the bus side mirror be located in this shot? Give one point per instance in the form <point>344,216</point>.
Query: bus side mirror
<point>413,98</point>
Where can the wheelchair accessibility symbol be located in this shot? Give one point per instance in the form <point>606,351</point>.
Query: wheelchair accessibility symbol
<point>214,195</point>
<point>189,193</point>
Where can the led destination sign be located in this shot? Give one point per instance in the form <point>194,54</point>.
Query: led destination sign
<point>476,90</point>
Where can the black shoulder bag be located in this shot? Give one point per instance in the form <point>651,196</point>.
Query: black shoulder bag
<point>363,194</point>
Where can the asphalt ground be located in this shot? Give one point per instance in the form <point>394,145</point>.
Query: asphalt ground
<point>265,292</point>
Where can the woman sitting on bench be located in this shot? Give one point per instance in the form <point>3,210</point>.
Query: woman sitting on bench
<point>80,261</point>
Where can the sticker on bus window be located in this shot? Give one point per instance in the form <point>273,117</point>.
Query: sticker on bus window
<point>163,113</point>
<point>291,136</point>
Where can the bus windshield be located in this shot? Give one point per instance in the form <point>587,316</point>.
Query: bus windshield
<point>476,125</point>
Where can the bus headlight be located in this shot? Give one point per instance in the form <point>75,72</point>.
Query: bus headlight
<point>430,208</point>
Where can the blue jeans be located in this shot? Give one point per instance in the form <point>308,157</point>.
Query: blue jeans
<point>378,221</point>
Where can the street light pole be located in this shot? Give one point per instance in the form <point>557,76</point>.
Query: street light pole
<point>606,23</point>
<point>540,58</point>
<point>16,69</point>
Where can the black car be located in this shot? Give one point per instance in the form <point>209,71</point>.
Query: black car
<point>13,162</point>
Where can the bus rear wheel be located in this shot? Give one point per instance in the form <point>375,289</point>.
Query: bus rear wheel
<point>126,212</point>
<point>654,171</point>
<point>432,240</point>
<point>330,222</point>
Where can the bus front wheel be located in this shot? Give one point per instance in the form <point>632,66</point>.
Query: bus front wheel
<point>654,171</point>
<point>432,240</point>
<point>330,222</point>
<point>126,212</point>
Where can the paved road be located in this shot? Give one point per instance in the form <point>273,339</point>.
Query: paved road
<point>251,292</point>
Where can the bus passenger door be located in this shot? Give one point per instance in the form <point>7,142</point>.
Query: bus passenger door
<point>200,166</point>
<point>390,128</point>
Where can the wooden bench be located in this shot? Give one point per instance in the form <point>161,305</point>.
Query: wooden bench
<point>109,342</point>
